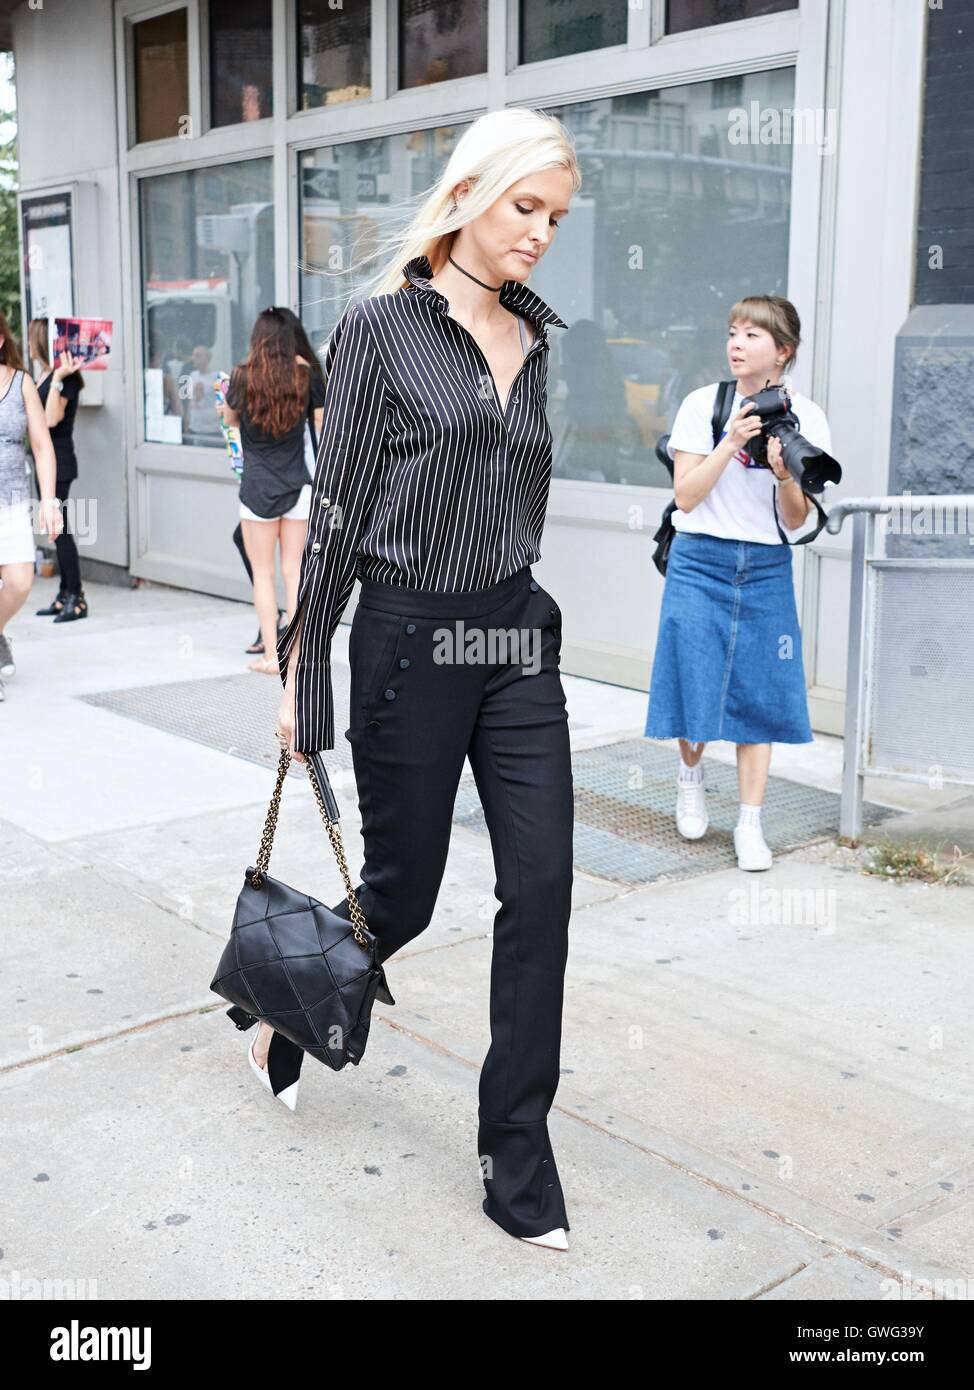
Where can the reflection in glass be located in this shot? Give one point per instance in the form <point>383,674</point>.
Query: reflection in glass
<point>682,15</point>
<point>553,28</point>
<point>159,51</point>
<point>674,222</point>
<point>207,272</point>
<point>241,76</point>
<point>348,194</point>
<point>333,49</point>
<point>440,41</point>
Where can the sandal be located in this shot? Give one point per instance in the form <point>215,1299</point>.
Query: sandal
<point>75,607</point>
<point>269,668</point>
<point>256,647</point>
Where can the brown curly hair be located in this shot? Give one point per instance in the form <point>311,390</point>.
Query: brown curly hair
<point>9,348</point>
<point>277,384</point>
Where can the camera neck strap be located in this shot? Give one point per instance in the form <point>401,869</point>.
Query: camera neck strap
<point>802,540</point>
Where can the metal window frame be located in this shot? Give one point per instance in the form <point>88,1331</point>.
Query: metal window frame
<point>128,14</point>
<point>648,60</point>
<point>41,193</point>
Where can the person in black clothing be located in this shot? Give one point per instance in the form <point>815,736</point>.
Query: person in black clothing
<point>431,488</point>
<point>59,389</point>
<point>271,398</point>
<point>312,433</point>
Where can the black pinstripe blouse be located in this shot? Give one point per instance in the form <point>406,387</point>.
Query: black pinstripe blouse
<point>424,477</point>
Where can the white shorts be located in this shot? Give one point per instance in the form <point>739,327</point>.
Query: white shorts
<point>17,543</point>
<point>299,512</point>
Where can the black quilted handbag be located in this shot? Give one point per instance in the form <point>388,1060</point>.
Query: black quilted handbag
<point>292,962</point>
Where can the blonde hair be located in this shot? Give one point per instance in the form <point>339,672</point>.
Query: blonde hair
<point>500,148</point>
<point>775,315</point>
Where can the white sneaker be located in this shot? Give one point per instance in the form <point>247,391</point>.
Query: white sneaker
<point>691,810</point>
<point>752,851</point>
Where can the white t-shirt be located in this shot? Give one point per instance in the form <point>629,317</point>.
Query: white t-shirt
<point>739,505</point>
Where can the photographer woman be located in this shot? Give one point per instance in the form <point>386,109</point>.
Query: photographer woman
<point>270,398</point>
<point>728,661</point>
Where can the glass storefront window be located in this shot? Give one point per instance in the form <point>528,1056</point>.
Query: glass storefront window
<point>161,56</point>
<point>346,192</point>
<point>241,68</point>
<point>437,42</point>
<point>333,49</point>
<point>207,271</point>
<point>676,219</point>
<point>554,28</point>
<point>682,15</point>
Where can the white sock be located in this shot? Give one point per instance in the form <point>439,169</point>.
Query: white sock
<point>749,815</point>
<point>691,774</point>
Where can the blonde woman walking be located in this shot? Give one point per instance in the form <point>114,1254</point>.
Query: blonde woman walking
<point>431,487</point>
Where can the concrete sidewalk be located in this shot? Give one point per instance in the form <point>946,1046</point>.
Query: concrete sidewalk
<point>766,1078</point>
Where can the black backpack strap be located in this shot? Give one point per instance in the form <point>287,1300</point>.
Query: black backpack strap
<point>802,540</point>
<point>723,400</point>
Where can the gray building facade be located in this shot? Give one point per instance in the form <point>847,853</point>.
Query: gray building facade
<point>216,156</point>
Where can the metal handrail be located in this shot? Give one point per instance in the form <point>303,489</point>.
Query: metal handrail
<point>849,506</point>
<point>865,510</point>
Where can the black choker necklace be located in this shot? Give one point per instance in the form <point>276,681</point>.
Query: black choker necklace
<point>492,288</point>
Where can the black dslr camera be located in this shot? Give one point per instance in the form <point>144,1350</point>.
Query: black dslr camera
<point>810,467</point>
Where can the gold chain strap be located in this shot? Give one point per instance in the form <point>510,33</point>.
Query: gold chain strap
<point>334,834</point>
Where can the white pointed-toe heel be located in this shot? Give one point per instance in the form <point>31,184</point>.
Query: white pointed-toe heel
<point>289,1096</point>
<point>553,1240</point>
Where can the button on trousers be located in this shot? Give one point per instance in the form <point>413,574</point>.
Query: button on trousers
<point>437,678</point>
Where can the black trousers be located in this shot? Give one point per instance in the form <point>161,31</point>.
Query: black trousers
<point>69,566</point>
<point>425,697</point>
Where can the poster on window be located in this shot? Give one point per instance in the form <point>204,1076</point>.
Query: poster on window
<point>48,277</point>
<point>87,340</point>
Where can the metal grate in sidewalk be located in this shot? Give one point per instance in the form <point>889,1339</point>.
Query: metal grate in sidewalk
<point>624,814</point>
<point>624,792</point>
<point>235,714</point>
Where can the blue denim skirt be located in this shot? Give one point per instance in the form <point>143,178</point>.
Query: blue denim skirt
<point>728,661</point>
